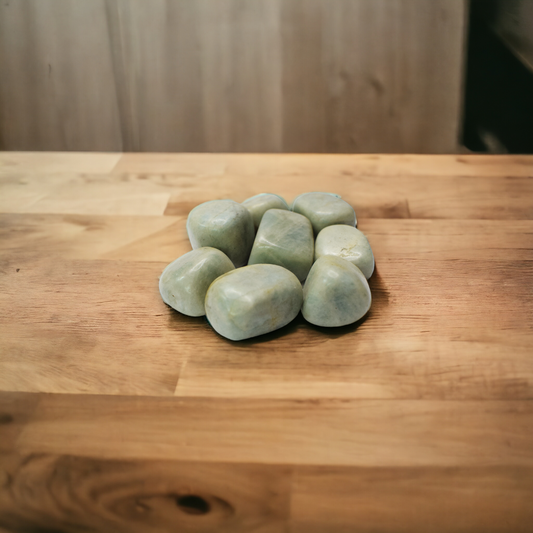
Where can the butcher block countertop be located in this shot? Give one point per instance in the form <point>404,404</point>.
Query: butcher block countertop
<point>119,415</point>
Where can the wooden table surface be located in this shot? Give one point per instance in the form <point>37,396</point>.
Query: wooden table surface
<point>117,414</point>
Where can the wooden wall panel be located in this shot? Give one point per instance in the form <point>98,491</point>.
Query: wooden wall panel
<point>232,75</point>
<point>386,75</point>
<point>157,68</point>
<point>56,77</point>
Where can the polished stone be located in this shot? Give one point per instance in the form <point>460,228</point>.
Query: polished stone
<point>346,242</point>
<point>284,239</point>
<point>253,300</point>
<point>324,209</point>
<point>184,282</point>
<point>336,293</point>
<point>259,204</point>
<point>225,225</point>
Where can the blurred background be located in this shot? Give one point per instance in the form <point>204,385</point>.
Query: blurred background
<point>419,76</point>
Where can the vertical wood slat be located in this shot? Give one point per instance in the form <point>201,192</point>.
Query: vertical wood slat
<point>232,75</point>
<point>56,77</point>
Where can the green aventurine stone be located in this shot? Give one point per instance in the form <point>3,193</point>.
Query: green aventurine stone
<point>253,300</point>
<point>284,239</point>
<point>346,242</point>
<point>225,225</point>
<point>324,209</point>
<point>336,293</point>
<point>259,204</point>
<point>184,283</point>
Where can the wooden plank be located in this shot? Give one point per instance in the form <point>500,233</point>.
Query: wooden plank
<point>57,90</point>
<point>75,492</point>
<point>364,433</point>
<point>419,499</point>
<point>176,164</point>
<point>338,165</point>
<point>377,197</point>
<point>44,163</point>
<point>16,408</point>
<point>78,494</point>
<point>87,326</point>
<point>91,236</point>
<point>119,496</point>
<point>386,188</point>
<point>81,194</point>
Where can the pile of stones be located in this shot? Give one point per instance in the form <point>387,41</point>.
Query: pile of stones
<point>249,261</point>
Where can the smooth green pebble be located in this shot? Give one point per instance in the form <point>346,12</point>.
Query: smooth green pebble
<point>346,242</point>
<point>253,300</point>
<point>336,293</point>
<point>324,209</point>
<point>184,282</point>
<point>284,239</point>
<point>259,204</point>
<point>225,225</point>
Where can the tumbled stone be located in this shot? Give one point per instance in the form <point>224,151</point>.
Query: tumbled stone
<point>284,239</point>
<point>346,242</point>
<point>259,204</point>
<point>336,293</point>
<point>253,300</point>
<point>324,209</point>
<point>225,225</point>
<point>184,282</point>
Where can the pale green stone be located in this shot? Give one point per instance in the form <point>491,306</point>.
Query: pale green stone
<point>253,300</point>
<point>336,293</point>
<point>346,242</point>
<point>324,209</point>
<point>259,204</point>
<point>184,283</point>
<point>284,239</point>
<point>225,225</point>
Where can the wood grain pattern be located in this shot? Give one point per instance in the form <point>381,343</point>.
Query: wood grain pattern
<point>232,75</point>
<point>119,415</point>
<point>125,496</point>
<point>44,163</point>
<point>57,90</point>
<point>337,165</point>
<point>118,496</point>
<point>418,499</point>
<point>321,432</point>
<point>370,101</point>
<point>55,257</point>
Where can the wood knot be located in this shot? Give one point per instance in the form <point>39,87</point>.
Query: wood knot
<point>192,504</point>
<point>5,418</point>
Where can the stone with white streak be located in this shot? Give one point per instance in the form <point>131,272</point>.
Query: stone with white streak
<point>346,242</point>
<point>336,293</point>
